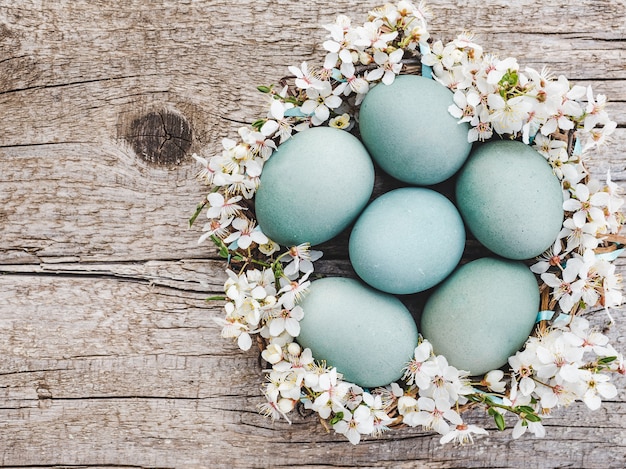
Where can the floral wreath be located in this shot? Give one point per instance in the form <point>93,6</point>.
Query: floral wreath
<point>564,360</point>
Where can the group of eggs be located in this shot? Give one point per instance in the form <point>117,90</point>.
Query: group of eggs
<point>412,239</point>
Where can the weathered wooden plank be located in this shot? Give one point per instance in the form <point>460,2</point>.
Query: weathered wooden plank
<point>179,67</point>
<point>139,359</point>
<point>118,208</point>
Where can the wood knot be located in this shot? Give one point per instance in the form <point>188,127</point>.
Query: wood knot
<point>160,137</point>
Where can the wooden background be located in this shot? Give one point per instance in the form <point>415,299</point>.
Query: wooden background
<point>109,356</point>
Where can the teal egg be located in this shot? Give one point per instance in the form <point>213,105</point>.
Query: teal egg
<point>367,335</point>
<point>482,314</point>
<point>313,186</point>
<point>510,199</point>
<point>407,240</point>
<point>409,132</point>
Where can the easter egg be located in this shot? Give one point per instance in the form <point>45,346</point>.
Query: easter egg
<point>409,132</point>
<point>510,199</point>
<point>407,240</point>
<point>482,314</point>
<point>313,186</point>
<point>367,335</point>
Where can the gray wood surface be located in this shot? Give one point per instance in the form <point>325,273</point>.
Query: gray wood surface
<point>109,355</point>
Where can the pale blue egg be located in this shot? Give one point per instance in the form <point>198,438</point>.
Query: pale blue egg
<point>313,186</point>
<point>510,199</point>
<point>407,240</point>
<point>482,314</point>
<point>409,132</point>
<point>367,335</point>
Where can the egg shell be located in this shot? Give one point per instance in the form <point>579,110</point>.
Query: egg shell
<point>482,314</point>
<point>367,335</point>
<point>313,186</point>
<point>409,132</point>
<point>407,240</point>
<point>510,199</point>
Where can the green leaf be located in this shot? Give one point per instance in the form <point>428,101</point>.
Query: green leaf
<point>499,419</point>
<point>216,298</point>
<point>509,80</point>
<point>264,89</point>
<point>606,360</point>
<point>196,213</point>
<point>337,418</point>
<point>526,409</point>
<point>257,124</point>
<point>223,252</point>
<point>533,418</point>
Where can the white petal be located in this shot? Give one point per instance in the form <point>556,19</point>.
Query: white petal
<point>580,218</point>
<point>333,101</point>
<point>572,205</point>
<point>269,128</point>
<point>322,113</point>
<point>308,107</point>
<point>244,341</point>
<point>292,326</point>
<point>375,75</point>
<point>277,109</point>
<point>331,46</point>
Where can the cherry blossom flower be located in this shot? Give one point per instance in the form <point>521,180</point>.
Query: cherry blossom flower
<point>260,142</point>
<point>300,259</point>
<point>493,381</point>
<point>481,127</point>
<point>465,105</point>
<point>463,434</point>
<point>421,371</point>
<point>598,387</point>
<point>353,83</point>
<point>435,414</point>
<point>341,122</point>
<point>247,233</point>
<point>579,238</point>
<point>273,353</point>
<point>233,329</point>
<point>305,78</point>
<point>319,103</point>
<point>564,290</point>
<point>371,35</point>
<point>380,418</point>
<point>599,136</point>
<point>215,227</point>
<point>389,66</point>
<point>409,409</point>
<point>207,172</point>
<point>447,383</point>
<point>586,206</point>
<point>269,248</point>
<point>289,320</point>
<point>508,116</point>
<point>353,425</point>
<point>554,394</point>
<point>292,290</point>
<point>553,257</point>
<point>273,410</point>
<point>333,392</point>
<point>559,356</point>
<point>219,207</point>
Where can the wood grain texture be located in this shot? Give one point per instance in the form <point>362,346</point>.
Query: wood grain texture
<point>109,355</point>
